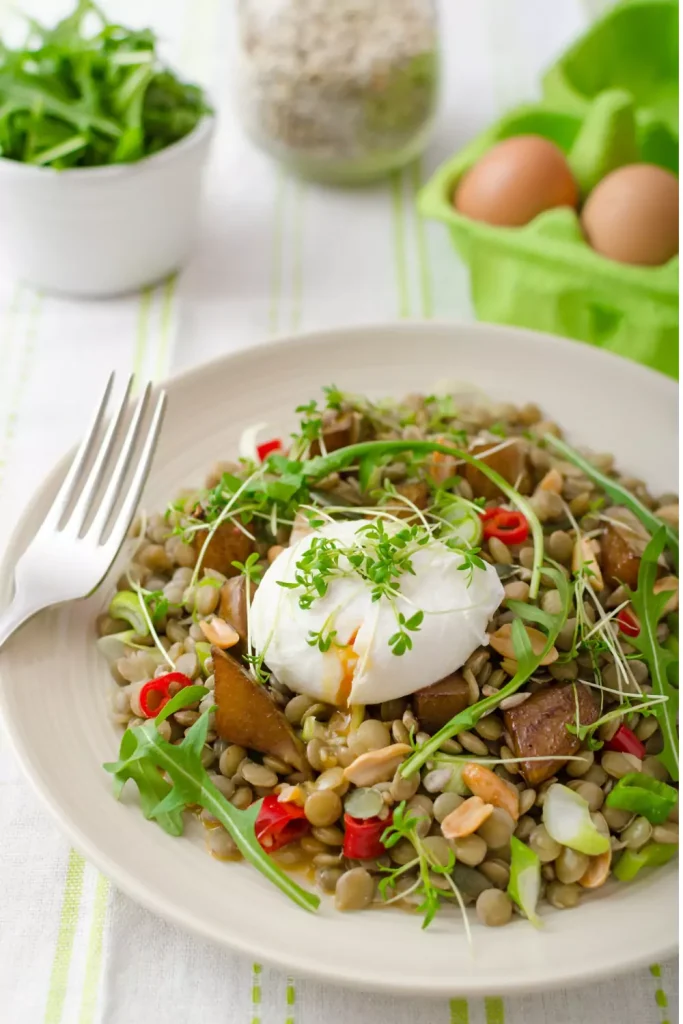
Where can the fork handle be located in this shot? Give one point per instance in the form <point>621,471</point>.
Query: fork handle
<point>15,615</point>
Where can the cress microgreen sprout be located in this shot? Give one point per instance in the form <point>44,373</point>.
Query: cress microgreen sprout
<point>404,827</point>
<point>89,92</point>
<point>321,466</point>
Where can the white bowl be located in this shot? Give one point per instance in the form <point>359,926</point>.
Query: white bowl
<point>99,231</point>
<point>53,683</point>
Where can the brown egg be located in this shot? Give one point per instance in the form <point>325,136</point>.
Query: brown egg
<point>632,215</point>
<point>515,181</point>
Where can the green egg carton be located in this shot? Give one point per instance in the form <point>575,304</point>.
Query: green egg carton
<point>545,275</point>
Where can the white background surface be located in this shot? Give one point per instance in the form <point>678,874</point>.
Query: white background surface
<point>274,255</point>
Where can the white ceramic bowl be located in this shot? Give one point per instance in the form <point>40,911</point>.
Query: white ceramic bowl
<point>53,683</point>
<point>99,231</point>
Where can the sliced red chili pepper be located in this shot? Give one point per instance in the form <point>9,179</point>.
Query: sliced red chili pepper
<point>363,837</point>
<point>626,742</point>
<point>627,623</point>
<point>505,524</point>
<point>264,450</point>
<point>155,694</point>
<point>279,823</point>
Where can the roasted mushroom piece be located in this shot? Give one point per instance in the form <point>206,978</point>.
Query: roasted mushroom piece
<point>233,608</point>
<point>436,704</point>
<point>622,546</point>
<point>508,461</point>
<point>538,727</point>
<point>227,545</point>
<point>246,715</point>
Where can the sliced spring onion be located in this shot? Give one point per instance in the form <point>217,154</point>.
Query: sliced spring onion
<point>650,856</point>
<point>117,645</point>
<point>247,443</point>
<point>455,784</point>
<point>126,605</point>
<point>525,879</point>
<point>463,523</point>
<point>364,803</point>
<point>566,816</point>
<point>203,651</point>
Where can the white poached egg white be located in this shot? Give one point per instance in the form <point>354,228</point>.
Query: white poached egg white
<point>360,667</point>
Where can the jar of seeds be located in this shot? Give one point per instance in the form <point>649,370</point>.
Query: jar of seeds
<point>342,91</point>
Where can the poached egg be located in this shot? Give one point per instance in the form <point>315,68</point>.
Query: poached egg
<point>359,667</point>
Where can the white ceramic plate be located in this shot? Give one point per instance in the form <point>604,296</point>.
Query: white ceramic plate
<point>53,682</point>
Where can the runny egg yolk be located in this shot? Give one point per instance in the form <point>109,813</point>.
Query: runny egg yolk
<point>348,660</point>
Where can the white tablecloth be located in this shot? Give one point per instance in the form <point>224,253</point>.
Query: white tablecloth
<point>275,255</point>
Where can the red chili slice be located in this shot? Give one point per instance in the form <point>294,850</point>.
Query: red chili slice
<point>155,694</point>
<point>264,450</point>
<point>626,742</point>
<point>279,823</point>
<point>504,524</point>
<point>628,623</point>
<point>363,837</point>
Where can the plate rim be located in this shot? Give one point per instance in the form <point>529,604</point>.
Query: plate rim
<point>127,881</point>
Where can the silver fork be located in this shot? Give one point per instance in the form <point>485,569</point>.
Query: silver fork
<point>69,557</point>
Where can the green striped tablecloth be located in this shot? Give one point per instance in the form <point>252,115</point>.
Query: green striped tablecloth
<point>275,255</point>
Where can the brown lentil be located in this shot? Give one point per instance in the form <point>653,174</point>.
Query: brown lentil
<point>497,829</point>
<point>323,807</point>
<point>497,872</point>
<point>242,797</point>
<point>562,896</point>
<point>354,890</point>
<point>445,803</point>
<point>570,865</point>
<point>329,835</point>
<point>637,833</point>
<point>470,850</point>
<point>667,833</point>
<point>494,908</point>
<point>542,843</point>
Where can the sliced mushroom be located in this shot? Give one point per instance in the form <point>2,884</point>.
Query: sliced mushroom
<point>538,727</point>
<point>227,545</point>
<point>233,608</point>
<point>437,704</point>
<point>247,716</point>
<point>508,461</point>
<point>622,546</point>
<point>339,431</point>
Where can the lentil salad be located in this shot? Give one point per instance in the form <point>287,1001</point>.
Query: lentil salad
<point>540,766</point>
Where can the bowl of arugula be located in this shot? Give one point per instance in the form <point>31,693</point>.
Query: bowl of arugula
<point>102,152</point>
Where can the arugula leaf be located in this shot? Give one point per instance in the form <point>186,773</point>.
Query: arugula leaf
<point>75,95</point>
<point>143,755</point>
<point>649,606</point>
<point>527,663</point>
<point>617,493</point>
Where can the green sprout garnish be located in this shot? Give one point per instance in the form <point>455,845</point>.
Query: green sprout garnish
<point>404,826</point>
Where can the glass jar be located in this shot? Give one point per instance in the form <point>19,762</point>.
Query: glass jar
<point>338,90</point>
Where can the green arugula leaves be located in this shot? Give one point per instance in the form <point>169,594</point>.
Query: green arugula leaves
<point>144,756</point>
<point>71,97</point>
<point>649,606</point>
<point>617,493</point>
